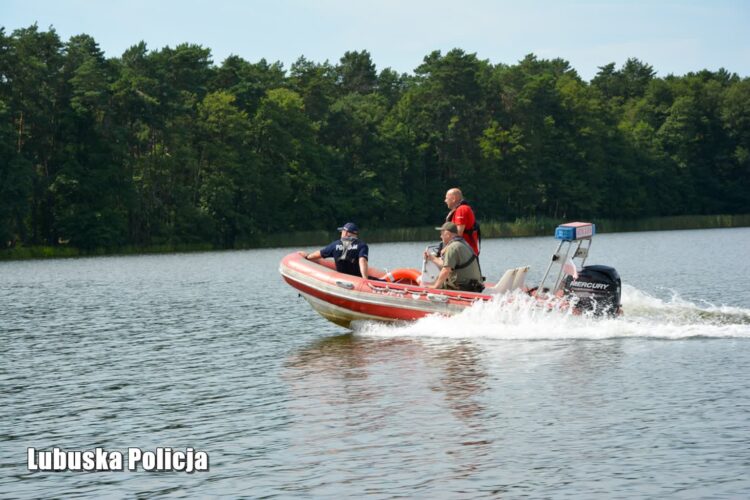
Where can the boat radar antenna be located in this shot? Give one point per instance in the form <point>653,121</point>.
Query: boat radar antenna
<point>579,234</point>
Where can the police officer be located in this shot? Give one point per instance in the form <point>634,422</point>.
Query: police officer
<point>349,253</point>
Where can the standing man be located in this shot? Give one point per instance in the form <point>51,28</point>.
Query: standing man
<point>458,263</point>
<point>463,217</point>
<point>350,253</point>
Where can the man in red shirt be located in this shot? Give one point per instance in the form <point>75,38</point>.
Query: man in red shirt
<point>463,217</point>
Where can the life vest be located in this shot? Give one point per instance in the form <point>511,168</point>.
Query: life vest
<point>468,230</point>
<point>472,285</point>
<point>473,257</point>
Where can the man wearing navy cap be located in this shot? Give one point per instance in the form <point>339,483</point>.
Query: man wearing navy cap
<point>350,253</point>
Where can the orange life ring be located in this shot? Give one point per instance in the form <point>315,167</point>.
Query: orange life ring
<point>403,275</point>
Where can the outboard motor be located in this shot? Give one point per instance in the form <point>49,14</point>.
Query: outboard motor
<point>598,289</point>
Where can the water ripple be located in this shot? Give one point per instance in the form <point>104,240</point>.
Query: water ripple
<point>214,351</point>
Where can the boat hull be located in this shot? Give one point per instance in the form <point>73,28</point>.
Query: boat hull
<point>342,298</point>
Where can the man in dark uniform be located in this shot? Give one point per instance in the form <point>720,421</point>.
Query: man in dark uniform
<point>350,253</point>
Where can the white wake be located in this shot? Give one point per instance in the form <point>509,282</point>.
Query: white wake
<point>522,319</point>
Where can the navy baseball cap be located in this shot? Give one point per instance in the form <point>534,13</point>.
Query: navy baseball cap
<point>350,227</point>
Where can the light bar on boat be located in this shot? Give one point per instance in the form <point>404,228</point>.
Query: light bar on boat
<point>575,231</point>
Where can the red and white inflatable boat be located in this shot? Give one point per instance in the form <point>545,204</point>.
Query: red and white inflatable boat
<point>399,296</point>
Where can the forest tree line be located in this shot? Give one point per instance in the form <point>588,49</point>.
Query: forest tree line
<point>164,146</point>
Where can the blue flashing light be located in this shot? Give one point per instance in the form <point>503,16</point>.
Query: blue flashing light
<point>575,231</point>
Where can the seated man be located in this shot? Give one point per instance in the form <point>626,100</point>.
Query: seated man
<point>458,262</point>
<point>350,253</point>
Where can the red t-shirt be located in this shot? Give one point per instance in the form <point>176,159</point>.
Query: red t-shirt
<point>464,215</point>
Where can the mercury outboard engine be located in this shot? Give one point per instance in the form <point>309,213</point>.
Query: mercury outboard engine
<point>597,289</point>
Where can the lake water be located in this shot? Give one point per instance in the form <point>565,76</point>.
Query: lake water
<point>214,351</point>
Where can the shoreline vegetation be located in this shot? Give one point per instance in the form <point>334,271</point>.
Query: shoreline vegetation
<point>164,150</point>
<point>305,239</point>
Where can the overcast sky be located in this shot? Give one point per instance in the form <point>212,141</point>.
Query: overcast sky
<point>673,36</point>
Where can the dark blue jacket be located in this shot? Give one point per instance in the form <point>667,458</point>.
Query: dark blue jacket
<point>347,255</point>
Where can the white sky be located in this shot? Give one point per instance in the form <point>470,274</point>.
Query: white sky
<point>674,36</point>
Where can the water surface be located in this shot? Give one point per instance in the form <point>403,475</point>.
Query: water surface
<point>215,352</point>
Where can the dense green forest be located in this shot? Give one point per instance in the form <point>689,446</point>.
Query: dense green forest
<point>166,147</point>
